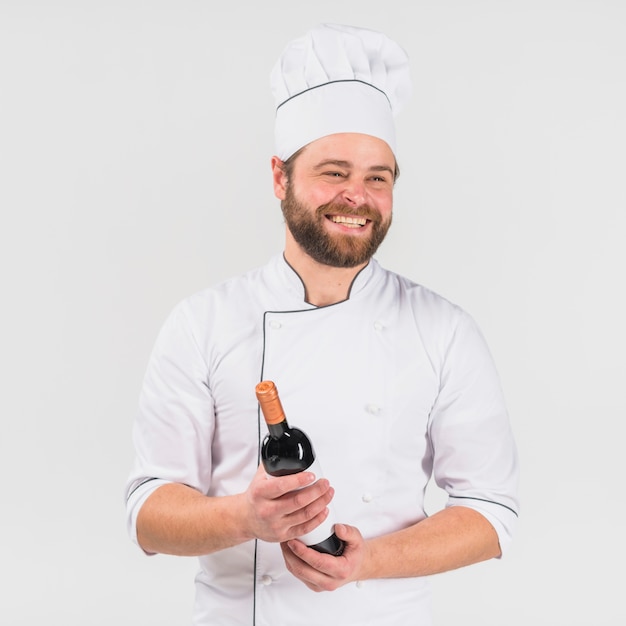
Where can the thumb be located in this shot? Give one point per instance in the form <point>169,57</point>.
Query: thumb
<point>345,532</point>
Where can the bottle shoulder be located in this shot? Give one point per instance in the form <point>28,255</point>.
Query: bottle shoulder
<point>288,453</point>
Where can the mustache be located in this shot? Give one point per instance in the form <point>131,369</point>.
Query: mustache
<point>338,208</point>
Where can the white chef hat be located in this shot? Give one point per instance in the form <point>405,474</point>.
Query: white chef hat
<point>338,79</point>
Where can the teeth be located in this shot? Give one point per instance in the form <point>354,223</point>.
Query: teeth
<point>345,219</point>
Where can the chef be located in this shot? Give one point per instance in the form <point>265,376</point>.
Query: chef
<point>394,385</point>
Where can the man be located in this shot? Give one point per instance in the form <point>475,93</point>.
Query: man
<point>392,383</point>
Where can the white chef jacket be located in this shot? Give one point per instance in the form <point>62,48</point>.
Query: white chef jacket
<point>392,385</point>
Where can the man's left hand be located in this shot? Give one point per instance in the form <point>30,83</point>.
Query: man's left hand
<point>324,572</point>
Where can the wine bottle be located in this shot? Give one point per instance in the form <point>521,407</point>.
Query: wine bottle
<point>287,450</point>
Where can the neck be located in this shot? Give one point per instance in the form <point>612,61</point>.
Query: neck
<point>323,284</point>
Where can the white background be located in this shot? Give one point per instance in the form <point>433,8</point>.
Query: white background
<point>135,139</point>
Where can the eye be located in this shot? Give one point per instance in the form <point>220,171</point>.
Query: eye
<point>379,180</point>
<point>335,174</point>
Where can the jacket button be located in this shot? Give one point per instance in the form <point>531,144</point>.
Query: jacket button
<point>367,498</point>
<point>378,326</point>
<point>372,409</point>
<point>275,324</point>
<point>266,580</point>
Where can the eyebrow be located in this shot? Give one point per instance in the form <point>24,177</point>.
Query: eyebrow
<point>347,165</point>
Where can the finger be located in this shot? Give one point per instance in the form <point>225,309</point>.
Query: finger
<point>349,534</point>
<point>306,520</point>
<point>353,540</point>
<point>319,572</point>
<point>316,563</point>
<point>299,568</point>
<point>296,556</point>
<point>309,501</point>
<point>274,487</point>
<point>333,566</point>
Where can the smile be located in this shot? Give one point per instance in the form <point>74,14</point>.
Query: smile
<point>348,220</point>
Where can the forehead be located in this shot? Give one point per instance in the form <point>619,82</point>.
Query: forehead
<point>353,148</point>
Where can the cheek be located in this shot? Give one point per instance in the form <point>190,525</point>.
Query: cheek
<point>325,193</point>
<point>317,198</point>
<point>384,203</point>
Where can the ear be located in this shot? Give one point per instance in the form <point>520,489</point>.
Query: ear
<point>279,178</point>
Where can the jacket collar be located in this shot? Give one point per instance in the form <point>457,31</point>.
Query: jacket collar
<point>290,281</point>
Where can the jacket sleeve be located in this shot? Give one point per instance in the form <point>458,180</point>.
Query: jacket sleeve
<point>474,453</point>
<point>174,425</point>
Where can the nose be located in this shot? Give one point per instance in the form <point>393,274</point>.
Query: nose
<point>354,193</point>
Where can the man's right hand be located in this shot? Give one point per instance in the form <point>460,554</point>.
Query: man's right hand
<point>285,507</point>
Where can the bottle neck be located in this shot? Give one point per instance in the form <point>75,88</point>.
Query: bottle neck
<point>278,430</point>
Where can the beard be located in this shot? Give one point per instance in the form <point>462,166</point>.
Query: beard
<point>336,250</point>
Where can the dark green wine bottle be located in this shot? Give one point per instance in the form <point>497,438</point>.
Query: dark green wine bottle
<point>287,450</point>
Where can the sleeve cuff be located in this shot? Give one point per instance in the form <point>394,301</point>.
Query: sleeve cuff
<point>134,503</point>
<point>502,518</point>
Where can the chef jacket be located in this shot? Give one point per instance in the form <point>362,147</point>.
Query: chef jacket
<point>393,385</point>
